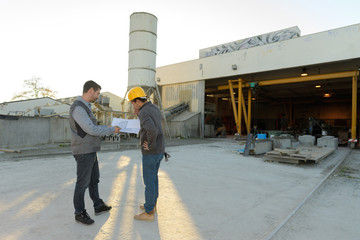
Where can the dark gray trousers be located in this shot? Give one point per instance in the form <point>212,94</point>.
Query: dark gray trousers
<point>88,176</point>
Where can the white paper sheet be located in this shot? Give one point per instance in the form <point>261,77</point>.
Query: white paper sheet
<point>127,125</point>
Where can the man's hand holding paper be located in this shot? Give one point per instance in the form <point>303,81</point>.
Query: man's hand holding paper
<point>127,125</point>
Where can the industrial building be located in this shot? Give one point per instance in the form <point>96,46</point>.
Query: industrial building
<point>45,120</point>
<point>249,85</point>
<point>44,106</point>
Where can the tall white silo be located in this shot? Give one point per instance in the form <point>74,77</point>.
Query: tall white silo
<point>142,56</point>
<point>142,51</point>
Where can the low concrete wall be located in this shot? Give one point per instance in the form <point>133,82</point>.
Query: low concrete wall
<point>60,130</point>
<point>20,131</point>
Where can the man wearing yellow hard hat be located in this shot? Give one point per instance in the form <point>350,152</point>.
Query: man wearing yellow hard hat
<point>152,148</point>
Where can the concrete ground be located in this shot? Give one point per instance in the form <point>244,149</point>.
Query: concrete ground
<point>207,191</point>
<point>333,212</point>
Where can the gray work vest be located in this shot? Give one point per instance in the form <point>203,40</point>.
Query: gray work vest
<point>81,142</point>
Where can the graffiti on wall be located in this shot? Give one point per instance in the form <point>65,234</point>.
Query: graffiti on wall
<point>259,40</point>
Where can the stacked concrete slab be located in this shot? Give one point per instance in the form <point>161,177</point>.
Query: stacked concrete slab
<point>284,141</point>
<point>307,140</point>
<point>328,141</point>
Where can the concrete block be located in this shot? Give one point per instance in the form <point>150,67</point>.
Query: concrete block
<point>282,143</point>
<point>307,140</point>
<point>328,141</point>
<point>262,146</point>
<point>294,144</point>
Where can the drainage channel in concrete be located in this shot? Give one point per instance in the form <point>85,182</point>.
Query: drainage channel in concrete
<point>297,208</point>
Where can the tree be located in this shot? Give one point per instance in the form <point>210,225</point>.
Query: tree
<point>36,90</point>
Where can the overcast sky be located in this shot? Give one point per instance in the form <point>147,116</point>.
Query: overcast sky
<point>67,42</point>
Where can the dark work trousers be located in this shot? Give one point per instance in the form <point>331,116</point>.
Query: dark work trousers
<point>88,176</point>
<point>150,165</point>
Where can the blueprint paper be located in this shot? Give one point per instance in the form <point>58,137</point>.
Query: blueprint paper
<point>127,125</point>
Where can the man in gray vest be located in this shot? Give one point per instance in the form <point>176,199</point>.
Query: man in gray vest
<point>85,143</point>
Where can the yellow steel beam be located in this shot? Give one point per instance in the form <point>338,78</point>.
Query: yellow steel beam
<point>225,87</point>
<point>249,111</point>
<point>239,106</point>
<point>309,78</point>
<point>244,111</point>
<point>234,105</point>
<point>298,79</point>
<point>354,107</point>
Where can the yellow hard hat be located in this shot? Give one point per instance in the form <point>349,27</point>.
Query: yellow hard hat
<point>136,92</point>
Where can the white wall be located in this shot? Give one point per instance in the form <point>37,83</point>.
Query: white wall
<point>328,46</point>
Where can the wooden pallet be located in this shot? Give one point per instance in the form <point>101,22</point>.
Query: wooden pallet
<point>298,155</point>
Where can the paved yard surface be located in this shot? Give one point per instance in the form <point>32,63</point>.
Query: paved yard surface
<point>207,191</point>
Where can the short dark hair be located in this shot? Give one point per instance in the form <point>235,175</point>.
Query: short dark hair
<point>91,84</point>
<point>141,99</point>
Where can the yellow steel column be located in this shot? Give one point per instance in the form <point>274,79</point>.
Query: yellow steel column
<point>239,105</point>
<point>249,111</point>
<point>234,105</point>
<point>354,107</point>
<point>244,111</point>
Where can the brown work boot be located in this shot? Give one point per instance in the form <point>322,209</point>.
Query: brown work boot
<point>143,207</point>
<point>144,216</point>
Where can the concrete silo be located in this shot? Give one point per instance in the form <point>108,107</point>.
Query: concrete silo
<point>142,56</point>
<point>142,51</point>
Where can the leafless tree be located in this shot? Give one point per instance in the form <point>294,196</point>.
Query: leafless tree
<point>36,90</point>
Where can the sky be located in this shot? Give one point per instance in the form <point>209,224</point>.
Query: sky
<point>67,42</point>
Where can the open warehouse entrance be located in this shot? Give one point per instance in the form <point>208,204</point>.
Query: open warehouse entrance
<point>272,85</point>
<point>322,102</point>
